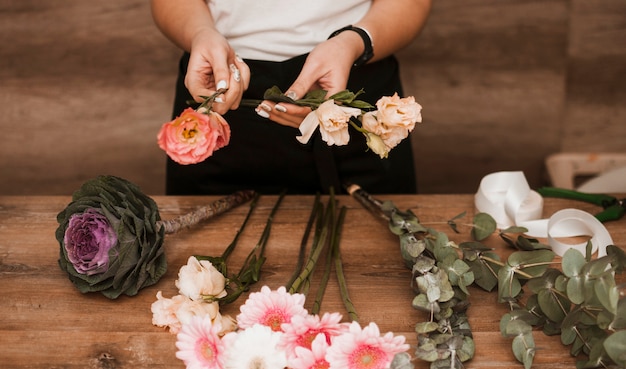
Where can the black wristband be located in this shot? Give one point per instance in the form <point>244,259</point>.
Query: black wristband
<point>368,53</point>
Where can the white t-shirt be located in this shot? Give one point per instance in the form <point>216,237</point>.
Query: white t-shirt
<point>276,30</point>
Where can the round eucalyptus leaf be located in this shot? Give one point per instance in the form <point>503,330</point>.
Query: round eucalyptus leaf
<point>401,360</point>
<point>534,262</point>
<point>467,350</point>
<point>524,349</point>
<point>426,327</point>
<point>410,245</point>
<point>573,262</point>
<point>515,229</point>
<point>551,304</point>
<point>483,276</point>
<point>620,317</point>
<point>606,291</point>
<point>574,290</point>
<point>604,319</point>
<point>420,302</point>
<point>508,284</point>
<point>568,334</point>
<point>423,264</point>
<point>615,347</point>
<point>484,226</point>
<point>516,327</point>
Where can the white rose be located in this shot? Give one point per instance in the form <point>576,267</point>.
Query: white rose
<point>199,278</point>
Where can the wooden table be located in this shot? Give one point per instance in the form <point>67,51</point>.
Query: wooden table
<point>47,323</point>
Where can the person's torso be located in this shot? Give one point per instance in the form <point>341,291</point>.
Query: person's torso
<point>276,30</point>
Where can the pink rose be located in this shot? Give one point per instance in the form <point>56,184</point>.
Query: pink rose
<point>193,136</point>
<point>333,122</point>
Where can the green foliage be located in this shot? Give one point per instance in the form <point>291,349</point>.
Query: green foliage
<point>579,301</point>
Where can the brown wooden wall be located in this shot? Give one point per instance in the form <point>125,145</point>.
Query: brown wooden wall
<point>84,87</point>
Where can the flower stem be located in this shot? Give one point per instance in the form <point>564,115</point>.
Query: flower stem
<point>316,249</point>
<point>216,208</point>
<point>305,237</point>
<point>233,244</point>
<point>341,278</point>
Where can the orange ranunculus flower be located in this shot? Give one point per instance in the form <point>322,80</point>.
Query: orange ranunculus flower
<point>193,136</point>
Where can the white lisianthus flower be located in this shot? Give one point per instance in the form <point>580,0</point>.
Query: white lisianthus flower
<point>164,311</point>
<point>332,119</point>
<point>190,308</point>
<point>394,111</point>
<point>200,279</point>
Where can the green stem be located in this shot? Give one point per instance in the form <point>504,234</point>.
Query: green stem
<point>305,237</point>
<point>341,278</point>
<point>263,239</point>
<point>316,250</point>
<point>233,244</point>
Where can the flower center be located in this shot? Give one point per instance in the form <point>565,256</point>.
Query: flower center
<point>189,133</point>
<point>274,319</point>
<point>367,357</point>
<point>306,339</point>
<point>206,351</point>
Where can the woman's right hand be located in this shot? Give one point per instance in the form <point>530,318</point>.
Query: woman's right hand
<point>213,65</point>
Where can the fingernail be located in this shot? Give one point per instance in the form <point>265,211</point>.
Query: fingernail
<point>238,58</point>
<point>262,113</point>
<point>265,107</point>
<point>280,108</point>
<point>222,84</point>
<point>290,94</point>
<point>219,99</point>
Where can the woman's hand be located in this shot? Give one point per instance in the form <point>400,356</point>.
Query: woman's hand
<point>213,65</point>
<point>327,67</point>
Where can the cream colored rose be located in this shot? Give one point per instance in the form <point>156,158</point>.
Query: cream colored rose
<point>332,120</point>
<point>200,279</point>
<point>394,111</point>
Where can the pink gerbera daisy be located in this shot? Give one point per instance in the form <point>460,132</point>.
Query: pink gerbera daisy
<point>199,344</point>
<point>302,330</point>
<point>364,348</point>
<point>313,358</point>
<point>271,308</point>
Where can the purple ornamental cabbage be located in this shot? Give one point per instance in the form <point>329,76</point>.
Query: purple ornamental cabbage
<point>110,238</point>
<point>88,239</point>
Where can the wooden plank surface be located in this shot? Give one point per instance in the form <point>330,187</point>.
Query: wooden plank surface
<point>47,323</point>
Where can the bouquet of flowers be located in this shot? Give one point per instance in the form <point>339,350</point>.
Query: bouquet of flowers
<point>195,134</point>
<point>273,329</point>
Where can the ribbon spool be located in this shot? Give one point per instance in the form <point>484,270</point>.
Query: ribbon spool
<point>507,197</point>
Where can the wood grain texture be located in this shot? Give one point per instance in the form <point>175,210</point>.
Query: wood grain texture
<point>47,323</point>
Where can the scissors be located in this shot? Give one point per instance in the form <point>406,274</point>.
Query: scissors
<point>614,208</point>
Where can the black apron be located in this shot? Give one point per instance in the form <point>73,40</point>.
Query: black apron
<point>266,157</point>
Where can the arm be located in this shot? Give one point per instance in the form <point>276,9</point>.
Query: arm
<point>189,25</point>
<point>407,18</point>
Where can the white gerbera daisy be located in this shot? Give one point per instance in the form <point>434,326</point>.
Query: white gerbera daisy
<point>254,348</point>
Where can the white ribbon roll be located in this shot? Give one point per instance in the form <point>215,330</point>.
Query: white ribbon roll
<point>507,197</point>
